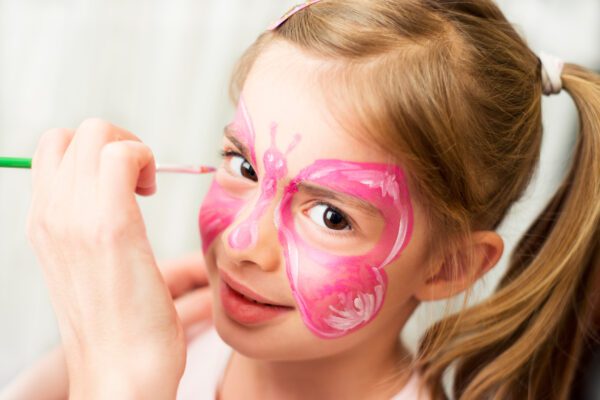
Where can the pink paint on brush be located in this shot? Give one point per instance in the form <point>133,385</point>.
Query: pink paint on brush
<point>246,233</point>
<point>184,169</point>
<point>339,294</point>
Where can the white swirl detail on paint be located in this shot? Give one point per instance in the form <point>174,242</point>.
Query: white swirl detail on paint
<point>388,187</point>
<point>359,310</point>
<point>402,232</point>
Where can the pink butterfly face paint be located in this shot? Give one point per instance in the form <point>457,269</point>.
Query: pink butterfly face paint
<point>338,294</point>
<point>221,206</point>
<point>245,234</point>
<point>217,212</point>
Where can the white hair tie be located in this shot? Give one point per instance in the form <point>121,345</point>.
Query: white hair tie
<point>551,73</point>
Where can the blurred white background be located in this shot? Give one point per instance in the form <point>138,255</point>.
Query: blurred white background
<point>160,69</point>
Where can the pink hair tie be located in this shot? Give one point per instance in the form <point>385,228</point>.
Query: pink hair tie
<point>291,12</point>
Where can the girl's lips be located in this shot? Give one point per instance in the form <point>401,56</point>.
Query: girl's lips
<point>246,310</point>
<point>245,291</point>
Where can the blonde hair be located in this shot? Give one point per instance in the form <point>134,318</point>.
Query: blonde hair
<point>451,90</point>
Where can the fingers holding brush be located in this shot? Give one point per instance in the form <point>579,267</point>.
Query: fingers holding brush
<point>47,158</point>
<point>89,236</point>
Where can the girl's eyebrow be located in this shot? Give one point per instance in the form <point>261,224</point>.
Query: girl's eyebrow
<point>230,134</point>
<point>322,192</point>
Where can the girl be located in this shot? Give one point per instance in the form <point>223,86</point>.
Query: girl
<point>375,148</point>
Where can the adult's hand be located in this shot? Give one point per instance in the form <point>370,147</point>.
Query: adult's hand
<point>188,283</point>
<point>119,328</point>
<point>47,378</point>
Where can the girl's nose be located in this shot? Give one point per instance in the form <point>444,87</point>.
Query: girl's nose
<point>253,239</point>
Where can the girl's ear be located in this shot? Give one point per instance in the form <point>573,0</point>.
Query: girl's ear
<point>454,274</point>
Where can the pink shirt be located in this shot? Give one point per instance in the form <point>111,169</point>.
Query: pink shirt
<point>207,358</point>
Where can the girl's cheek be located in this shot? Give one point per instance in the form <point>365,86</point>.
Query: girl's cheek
<point>217,212</point>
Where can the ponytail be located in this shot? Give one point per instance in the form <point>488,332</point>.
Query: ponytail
<point>526,340</point>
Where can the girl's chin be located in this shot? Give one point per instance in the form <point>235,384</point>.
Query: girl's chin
<point>283,339</point>
<point>269,341</point>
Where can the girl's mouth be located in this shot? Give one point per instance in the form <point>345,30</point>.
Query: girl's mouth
<point>245,308</point>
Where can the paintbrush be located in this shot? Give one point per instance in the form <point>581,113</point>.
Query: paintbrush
<point>12,162</point>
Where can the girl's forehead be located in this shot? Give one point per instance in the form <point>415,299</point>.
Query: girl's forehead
<point>291,96</point>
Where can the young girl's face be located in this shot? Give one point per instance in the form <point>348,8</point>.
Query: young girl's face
<point>309,220</point>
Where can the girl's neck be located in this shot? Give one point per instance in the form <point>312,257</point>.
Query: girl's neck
<point>374,371</point>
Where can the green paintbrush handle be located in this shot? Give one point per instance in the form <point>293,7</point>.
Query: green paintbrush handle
<point>12,162</point>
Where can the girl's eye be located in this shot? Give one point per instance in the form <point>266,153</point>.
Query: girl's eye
<point>241,167</point>
<point>328,217</point>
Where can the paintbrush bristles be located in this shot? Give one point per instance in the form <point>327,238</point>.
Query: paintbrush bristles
<point>185,169</point>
